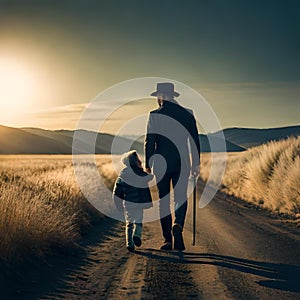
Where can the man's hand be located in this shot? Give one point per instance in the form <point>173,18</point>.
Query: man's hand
<point>148,170</point>
<point>195,171</point>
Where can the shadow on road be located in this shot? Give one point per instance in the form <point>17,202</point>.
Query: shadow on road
<point>277,276</point>
<point>36,278</point>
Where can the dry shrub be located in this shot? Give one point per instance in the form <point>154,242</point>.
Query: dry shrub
<point>260,169</point>
<point>267,175</point>
<point>235,174</point>
<point>205,165</point>
<point>30,226</point>
<point>283,194</point>
<point>41,206</point>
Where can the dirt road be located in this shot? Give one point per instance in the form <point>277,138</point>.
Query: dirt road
<point>241,253</point>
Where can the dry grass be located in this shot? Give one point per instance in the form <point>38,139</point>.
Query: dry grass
<point>42,209</point>
<point>267,175</point>
<point>41,206</point>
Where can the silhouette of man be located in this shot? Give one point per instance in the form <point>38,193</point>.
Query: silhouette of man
<point>171,129</point>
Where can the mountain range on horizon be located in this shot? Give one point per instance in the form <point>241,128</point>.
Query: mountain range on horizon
<point>40,141</point>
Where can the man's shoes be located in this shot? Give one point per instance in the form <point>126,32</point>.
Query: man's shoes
<point>130,248</point>
<point>178,239</point>
<point>137,241</point>
<point>166,246</point>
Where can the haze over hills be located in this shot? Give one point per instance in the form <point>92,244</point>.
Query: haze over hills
<point>18,141</point>
<point>218,144</point>
<point>40,141</point>
<point>251,137</point>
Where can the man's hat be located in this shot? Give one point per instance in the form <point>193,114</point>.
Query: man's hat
<point>166,88</point>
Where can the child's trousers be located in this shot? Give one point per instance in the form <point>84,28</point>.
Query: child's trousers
<point>134,224</point>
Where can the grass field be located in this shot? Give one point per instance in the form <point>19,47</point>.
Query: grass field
<point>42,209</point>
<point>267,175</point>
<point>41,206</point>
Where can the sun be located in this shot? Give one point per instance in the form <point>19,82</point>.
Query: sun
<point>16,89</point>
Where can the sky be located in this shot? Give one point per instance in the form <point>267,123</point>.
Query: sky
<point>57,56</point>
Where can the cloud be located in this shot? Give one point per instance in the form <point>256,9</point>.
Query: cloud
<point>110,115</point>
<point>65,109</point>
<point>71,110</point>
<point>252,86</point>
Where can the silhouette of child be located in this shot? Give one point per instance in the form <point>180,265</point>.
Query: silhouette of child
<point>131,194</point>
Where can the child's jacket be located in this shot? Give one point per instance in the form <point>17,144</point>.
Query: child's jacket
<point>132,186</point>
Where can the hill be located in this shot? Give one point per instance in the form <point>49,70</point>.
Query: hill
<point>18,141</point>
<point>217,144</point>
<point>204,143</point>
<point>250,137</point>
<point>40,141</point>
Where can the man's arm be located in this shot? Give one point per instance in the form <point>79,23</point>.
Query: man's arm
<point>195,147</point>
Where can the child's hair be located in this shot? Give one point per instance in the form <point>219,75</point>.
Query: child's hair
<point>130,158</point>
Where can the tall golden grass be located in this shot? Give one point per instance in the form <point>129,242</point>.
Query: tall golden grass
<point>41,206</point>
<point>43,210</point>
<point>267,175</point>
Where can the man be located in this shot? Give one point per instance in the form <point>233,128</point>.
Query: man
<point>170,130</point>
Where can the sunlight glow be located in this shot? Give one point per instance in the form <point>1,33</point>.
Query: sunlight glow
<point>16,89</point>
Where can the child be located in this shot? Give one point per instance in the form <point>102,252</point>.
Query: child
<point>132,194</point>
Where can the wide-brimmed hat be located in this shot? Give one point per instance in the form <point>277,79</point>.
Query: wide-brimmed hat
<point>166,88</point>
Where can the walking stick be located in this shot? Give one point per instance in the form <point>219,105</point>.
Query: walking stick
<point>194,209</point>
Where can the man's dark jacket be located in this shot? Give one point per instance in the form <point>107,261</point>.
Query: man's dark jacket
<point>168,131</point>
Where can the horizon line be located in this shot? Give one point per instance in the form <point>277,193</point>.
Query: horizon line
<point>129,134</point>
